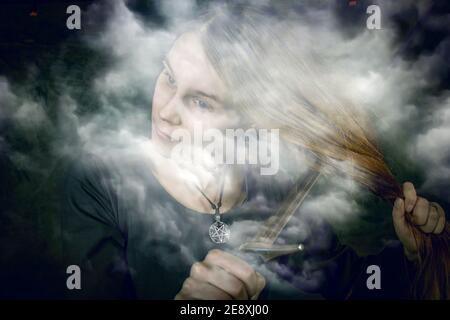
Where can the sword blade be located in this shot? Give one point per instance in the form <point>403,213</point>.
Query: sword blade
<point>262,242</point>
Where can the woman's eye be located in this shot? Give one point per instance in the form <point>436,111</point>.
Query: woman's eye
<point>202,104</point>
<point>170,80</point>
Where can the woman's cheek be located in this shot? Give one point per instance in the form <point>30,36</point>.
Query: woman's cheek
<point>161,97</point>
<point>221,122</point>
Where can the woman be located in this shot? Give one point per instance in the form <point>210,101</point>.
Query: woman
<point>240,68</point>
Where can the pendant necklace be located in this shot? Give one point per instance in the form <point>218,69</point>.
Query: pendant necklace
<point>219,231</point>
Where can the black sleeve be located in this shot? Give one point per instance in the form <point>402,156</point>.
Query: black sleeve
<point>352,274</point>
<point>94,237</point>
<point>342,274</point>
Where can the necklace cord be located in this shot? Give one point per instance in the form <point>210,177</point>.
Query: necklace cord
<point>214,206</point>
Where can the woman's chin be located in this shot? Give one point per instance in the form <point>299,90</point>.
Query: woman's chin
<point>162,147</point>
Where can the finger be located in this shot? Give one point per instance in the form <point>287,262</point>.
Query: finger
<point>432,220</point>
<point>441,222</point>
<point>410,196</point>
<point>261,285</point>
<point>194,289</point>
<point>235,266</point>
<point>401,226</point>
<point>220,279</point>
<point>420,213</point>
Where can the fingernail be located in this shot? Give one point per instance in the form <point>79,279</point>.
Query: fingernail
<point>397,203</point>
<point>409,208</point>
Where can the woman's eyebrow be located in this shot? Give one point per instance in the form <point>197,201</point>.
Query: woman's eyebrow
<point>194,92</point>
<point>207,95</point>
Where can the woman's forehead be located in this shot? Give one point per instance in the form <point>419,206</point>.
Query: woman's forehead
<point>189,63</point>
<point>188,46</point>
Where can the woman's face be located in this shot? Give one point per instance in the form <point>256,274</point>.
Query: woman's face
<point>188,93</point>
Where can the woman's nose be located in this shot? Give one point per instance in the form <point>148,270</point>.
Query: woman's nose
<point>171,111</point>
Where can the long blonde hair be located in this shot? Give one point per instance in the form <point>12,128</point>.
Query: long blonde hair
<point>277,80</point>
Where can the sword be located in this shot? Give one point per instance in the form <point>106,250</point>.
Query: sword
<point>263,242</point>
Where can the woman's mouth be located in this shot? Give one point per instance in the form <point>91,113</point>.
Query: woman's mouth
<point>164,136</point>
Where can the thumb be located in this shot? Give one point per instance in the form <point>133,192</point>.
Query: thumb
<point>401,225</point>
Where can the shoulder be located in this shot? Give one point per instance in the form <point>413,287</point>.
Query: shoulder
<point>90,188</point>
<point>86,167</point>
<point>108,187</point>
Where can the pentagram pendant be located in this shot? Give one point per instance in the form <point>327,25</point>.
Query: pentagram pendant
<point>219,232</point>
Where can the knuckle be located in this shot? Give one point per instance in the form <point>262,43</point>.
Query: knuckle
<point>439,228</point>
<point>263,282</point>
<point>422,202</point>
<point>179,296</point>
<point>426,229</point>
<point>434,215</point>
<point>420,219</point>
<point>421,210</point>
<point>213,254</point>
<point>248,274</point>
<point>438,208</point>
<point>238,290</point>
<point>188,285</point>
<point>196,269</point>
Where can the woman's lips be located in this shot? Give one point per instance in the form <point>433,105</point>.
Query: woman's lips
<point>162,134</point>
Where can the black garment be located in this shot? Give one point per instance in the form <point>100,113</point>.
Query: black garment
<point>134,240</point>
